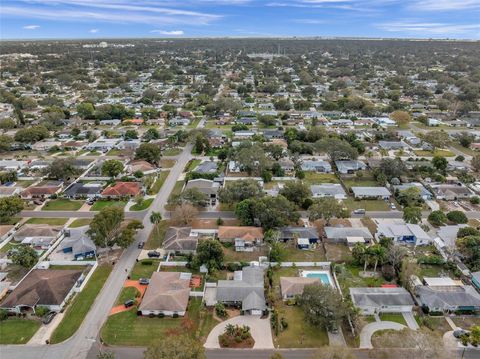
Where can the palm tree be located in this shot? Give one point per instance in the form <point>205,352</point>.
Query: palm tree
<point>230,329</point>
<point>378,253</point>
<point>155,217</point>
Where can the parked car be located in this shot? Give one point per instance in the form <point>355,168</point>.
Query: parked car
<point>392,206</point>
<point>47,318</point>
<point>129,303</point>
<point>153,254</point>
<point>38,202</point>
<point>141,245</point>
<point>359,211</point>
<point>144,281</point>
<point>90,201</point>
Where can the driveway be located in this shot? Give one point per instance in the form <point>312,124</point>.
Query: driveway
<point>411,322</point>
<point>370,329</point>
<point>259,328</point>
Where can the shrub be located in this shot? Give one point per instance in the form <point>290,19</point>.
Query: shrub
<point>475,200</point>
<point>284,323</point>
<point>3,314</point>
<point>388,272</point>
<point>175,315</point>
<point>223,341</point>
<point>457,217</point>
<point>238,339</point>
<point>220,310</point>
<point>41,311</point>
<point>147,263</point>
<point>437,218</point>
<point>433,260</point>
<point>467,231</point>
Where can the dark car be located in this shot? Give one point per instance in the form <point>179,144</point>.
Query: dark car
<point>140,245</point>
<point>129,303</point>
<point>47,318</point>
<point>153,254</point>
<point>144,281</point>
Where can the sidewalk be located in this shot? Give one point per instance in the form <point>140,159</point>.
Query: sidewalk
<point>45,331</point>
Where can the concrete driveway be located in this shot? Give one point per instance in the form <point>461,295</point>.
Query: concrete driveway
<point>369,329</point>
<point>259,328</point>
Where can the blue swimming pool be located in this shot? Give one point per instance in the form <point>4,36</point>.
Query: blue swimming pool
<point>323,276</point>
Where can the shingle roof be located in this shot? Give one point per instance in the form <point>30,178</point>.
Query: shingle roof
<point>167,291</point>
<point>37,230</point>
<point>245,233</point>
<point>344,232</point>
<point>178,239</point>
<point>123,189</point>
<point>292,286</point>
<point>371,191</point>
<point>298,232</point>
<point>456,296</point>
<point>374,297</point>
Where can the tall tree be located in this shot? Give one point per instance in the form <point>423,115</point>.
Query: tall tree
<point>63,169</point>
<point>112,168</point>
<point>296,192</point>
<point>24,256</point>
<point>9,207</point>
<point>106,227</point>
<point>326,208</point>
<point>412,214</point>
<point>149,152</point>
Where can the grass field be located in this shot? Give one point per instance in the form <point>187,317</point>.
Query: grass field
<point>367,204</point>
<point>157,235</point>
<point>172,151</point>
<point>440,153</point>
<point>80,222</point>
<point>349,277</point>
<point>142,270</point>
<point>80,305</point>
<point>162,176</point>
<point>99,205</point>
<point>50,221</point>
<point>393,317</point>
<point>127,294</point>
<point>62,205</point>
<point>365,181</point>
<point>128,329</point>
<point>191,165</point>
<point>317,178</point>
<point>143,206</point>
<point>17,331</point>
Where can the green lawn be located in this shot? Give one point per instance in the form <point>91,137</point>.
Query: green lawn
<point>62,205</point>
<point>143,206</point>
<point>101,204</point>
<point>17,331</point>
<point>80,305</point>
<point>393,317</point>
<point>428,270</point>
<point>50,221</point>
<point>127,294</point>
<point>9,246</point>
<point>230,255</point>
<point>349,277</point>
<point>367,204</point>
<point>177,189</point>
<point>194,123</point>
<point>80,222</point>
<point>294,254</point>
<point>157,235</point>
<point>299,333</point>
<point>317,178</point>
<point>192,164</point>
<point>143,270</point>
<point>364,181</point>
<point>172,151</point>
<point>162,176</point>
<point>128,329</point>
<point>441,153</point>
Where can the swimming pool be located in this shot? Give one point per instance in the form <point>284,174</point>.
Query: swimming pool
<point>324,276</point>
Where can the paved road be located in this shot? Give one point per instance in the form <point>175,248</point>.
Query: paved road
<point>82,341</point>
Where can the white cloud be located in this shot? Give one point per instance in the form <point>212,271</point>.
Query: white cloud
<point>168,33</point>
<point>309,21</point>
<point>93,31</point>
<point>31,27</point>
<point>445,5</point>
<point>429,28</point>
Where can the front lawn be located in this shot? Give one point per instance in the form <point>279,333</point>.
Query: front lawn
<point>142,206</point>
<point>62,205</point>
<point>393,317</point>
<point>157,185</point>
<point>101,204</point>
<point>80,305</point>
<point>142,269</point>
<point>317,178</point>
<point>157,235</point>
<point>80,222</point>
<point>366,204</point>
<point>192,164</point>
<point>439,153</point>
<point>128,329</point>
<point>50,221</point>
<point>127,294</point>
<point>172,151</point>
<point>17,331</point>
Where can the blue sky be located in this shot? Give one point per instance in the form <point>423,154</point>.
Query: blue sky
<point>29,19</point>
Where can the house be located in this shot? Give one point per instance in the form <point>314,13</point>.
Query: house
<point>451,192</point>
<point>245,238</point>
<point>371,192</point>
<point>271,134</point>
<point>286,164</point>
<point>49,288</point>
<point>141,166</point>
<point>447,296</point>
<point>245,290</point>
<point>334,190</point>
<point>46,145</point>
<point>9,191</point>
<point>42,190</point>
<point>476,279</point>
<point>167,294</point>
<point>316,166</point>
<point>12,165</point>
<point>425,194</point>
<point>180,240</point>
<point>206,167</point>
<point>208,187</point>
<point>131,144</point>
<point>404,233</point>
<point>304,236</point>
<point>246,121</point>
<point>382,300</point>
<point>123,189</point>
<point>102,144</point>
<point>243,135</point>
<point>350,166</point>
<point>344,234</point>
<point>292,287</point>
<point>78,243</point>
<point>392,145</point>
<point>448,236</point>
<point>39,236</point>
<point>179,121</point>
<point>83,190</point>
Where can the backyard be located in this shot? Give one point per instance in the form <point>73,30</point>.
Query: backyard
<point>172,151</point>
<point>348,275</point>
<point>62,205</point>
<point>17,331</point>
<point>317,178</point>
<point>144,268</point>
<point>367,204</point>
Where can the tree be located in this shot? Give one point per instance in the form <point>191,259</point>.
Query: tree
<point>5,143</point>
<point>175,347</point>
<point>412,214</point>
<point>106,226</point>
<point>127,236</point>
<point>377,253</point>
<point>465,139</point>
<point>112,168</point>
<point>437,218</point>
<point>337,149</point>
<point>395,256</point>
<point>149,113</point>
<point>323,306</point>
<point>210,253</point>
<point>467,231</point>
<point>437,139</point>
<point>277,252</point>
<point>409,268</point>
<point>155,217</point>
<point>237,191</point>
<point>86,110</point>
<point>401,117</point>
<point>184,214</point>
<point>476,162</point>
<point>31,134</point>
<point>244,211</point>
<point>410,197</point>
<point>9,207</point>
<point>296,192</point>
<point>326,208</point>
<point>391,168</point>
<point>24,256</point>
<point>457,217</point>
<point>130,135</point>
<point>62,169</point>
<point>440,163</point>
<point>469,247</point>
<point>192,196</point>
<point>251,158</point>
<point>151,134</point>
<point>7,124</point>
<point>149,152</point>
<point>274,211</point>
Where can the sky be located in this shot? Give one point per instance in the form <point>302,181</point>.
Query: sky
<point>62,19</point>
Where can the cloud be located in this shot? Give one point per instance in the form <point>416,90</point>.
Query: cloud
<point>445,5</point>
<point>31,27</point>
<point>93,31</point>
<point>168,33</point>
<point>309,21</point>
<point>429,28</point>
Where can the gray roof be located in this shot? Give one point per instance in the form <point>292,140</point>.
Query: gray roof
<point>316,165</point>
<point>423,190</point>
<point>79,189</point>
<point>370,191</point>
<point>203,185</point>
<point>401,230</point>
<point>448,234</point>
<point>78,240</point>
<point>476,276</point>
<point>344,232</point>
<point>328,189</point>
<point>392,145</point>
<point>298,232</point>
<point>349,165</point>
<point>206,167</point>
<point>375,297</point>
<point>241,290</point>
<point>179,239</point>
<point>445,297</point>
